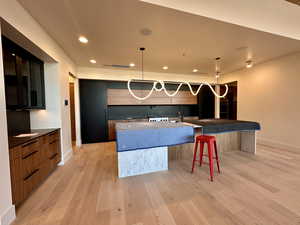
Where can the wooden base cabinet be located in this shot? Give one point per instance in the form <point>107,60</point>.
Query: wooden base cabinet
<point>31,163</point>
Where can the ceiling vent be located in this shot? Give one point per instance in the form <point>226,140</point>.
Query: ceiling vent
<point>117,66</point>
<point>297,2</point>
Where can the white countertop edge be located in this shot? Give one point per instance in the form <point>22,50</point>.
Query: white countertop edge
<point>192,125</point>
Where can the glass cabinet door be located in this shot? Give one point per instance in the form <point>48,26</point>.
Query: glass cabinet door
<point>37,84</point>
<point>11,78</point>
<point>23,68</point>
<point>24,78</point>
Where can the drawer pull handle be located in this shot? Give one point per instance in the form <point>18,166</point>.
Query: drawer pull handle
<point>52,157</point>
<point>29,143</point>
<point>52,142</point>
<point>30,154</point>
<point>31,174</point>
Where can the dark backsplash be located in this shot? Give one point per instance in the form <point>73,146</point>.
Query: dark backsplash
<point>18,122</point>
<point>139,112</point>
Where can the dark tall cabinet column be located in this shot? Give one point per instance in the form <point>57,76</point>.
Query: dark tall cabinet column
<point>206,103</point>
<point>93,110</point>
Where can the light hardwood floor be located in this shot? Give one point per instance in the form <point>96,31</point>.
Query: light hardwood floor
<point>255,190</point>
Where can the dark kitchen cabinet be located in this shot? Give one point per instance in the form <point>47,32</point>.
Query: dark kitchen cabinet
<point>93,110</point>
<point>24,78</point>
<point>206,103</point>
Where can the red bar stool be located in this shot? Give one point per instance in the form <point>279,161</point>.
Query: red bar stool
<point>211,144</point>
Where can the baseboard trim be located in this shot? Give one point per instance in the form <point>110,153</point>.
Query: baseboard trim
<point>9,216</point>
<point>66,157</point>
<point>274,144</point>
<point>78,142</point>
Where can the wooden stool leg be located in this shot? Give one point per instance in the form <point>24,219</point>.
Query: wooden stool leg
<point>195,155</point>
<point>201,152</point>
<point>211,160</point>
<point>217,157</point>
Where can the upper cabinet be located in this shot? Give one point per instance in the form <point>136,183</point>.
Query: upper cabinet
<point>24,78</point>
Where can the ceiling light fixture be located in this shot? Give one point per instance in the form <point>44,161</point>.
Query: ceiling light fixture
<point>93,61</point>
<point>165,68</point>
<point>83,39</point>
<point>159,85</point>
<point>249,64</point>
<point>195,70</point>
<point>132,65</point>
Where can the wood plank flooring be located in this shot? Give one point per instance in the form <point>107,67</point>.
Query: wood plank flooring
<point>251,190</point>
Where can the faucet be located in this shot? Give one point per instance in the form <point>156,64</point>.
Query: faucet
<point>180,115</point>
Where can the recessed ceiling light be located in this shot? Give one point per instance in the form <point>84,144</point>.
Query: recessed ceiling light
<point>249,64</point>
<point>165,67</point>
<point>83,39</point>
<point>13,54</point>
<point>93,61</point>
<point>132,65</point>
<point>195,70</point>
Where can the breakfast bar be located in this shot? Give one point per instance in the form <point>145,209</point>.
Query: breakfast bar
<point>231,135</point>
<point>145,147</point>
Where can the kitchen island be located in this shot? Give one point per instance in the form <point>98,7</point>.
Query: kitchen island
<point>145,147</point>
<point>231,135</point>
<point>142,147</point>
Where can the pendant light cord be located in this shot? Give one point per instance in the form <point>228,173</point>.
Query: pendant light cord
<point>142,64</point>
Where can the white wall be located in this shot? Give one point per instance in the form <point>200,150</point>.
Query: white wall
<point>12,12</point>
<point>273,16</point>
<point>6,207</point>
<point>269,93</point>
<point>48,118</point>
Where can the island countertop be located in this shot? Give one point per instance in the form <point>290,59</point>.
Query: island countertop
<point>214,126</point>
<point>142,135</point>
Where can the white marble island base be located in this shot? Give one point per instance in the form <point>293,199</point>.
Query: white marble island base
<point>142,161</point>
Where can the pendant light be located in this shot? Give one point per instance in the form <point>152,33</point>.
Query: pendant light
<point>162,87</point>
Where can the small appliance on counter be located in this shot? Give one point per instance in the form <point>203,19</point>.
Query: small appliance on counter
<point>159,119</point>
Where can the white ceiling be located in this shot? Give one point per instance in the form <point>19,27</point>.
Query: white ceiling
<point>179,40</point>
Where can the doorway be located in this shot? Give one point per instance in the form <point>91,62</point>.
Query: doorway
<point>72,112</point>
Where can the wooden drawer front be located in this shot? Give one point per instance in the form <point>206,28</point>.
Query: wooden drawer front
<point>53,136</point>
<point>44,149</point>
<point>46,169</point>
<point>30,163</point>
<point>30,147</point>
<point>16,179</point>
<point>31,182</point>
<point>15,153</point>
<point>53,148</point>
